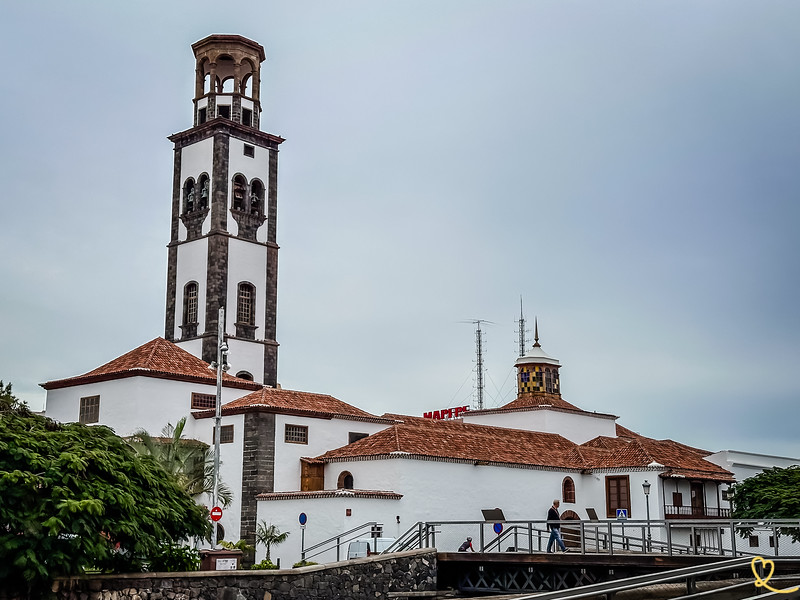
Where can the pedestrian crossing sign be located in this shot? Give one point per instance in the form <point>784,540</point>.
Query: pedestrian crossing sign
<point>622,513</point>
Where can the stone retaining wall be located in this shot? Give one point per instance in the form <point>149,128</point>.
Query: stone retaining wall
<point>366,578</point>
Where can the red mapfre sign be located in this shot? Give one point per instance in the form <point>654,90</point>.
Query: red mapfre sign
<point>446,413</point>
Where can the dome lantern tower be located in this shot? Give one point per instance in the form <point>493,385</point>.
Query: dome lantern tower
<point>537,373</point>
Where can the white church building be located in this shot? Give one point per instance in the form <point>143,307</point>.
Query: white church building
<point>286,452</point>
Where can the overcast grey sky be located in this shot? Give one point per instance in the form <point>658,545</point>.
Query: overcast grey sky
<point>630,168</point>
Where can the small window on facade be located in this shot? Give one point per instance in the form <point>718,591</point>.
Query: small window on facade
<point>247,119</point>
<point>296,434</point>
<point>220,531</point>
<point>224,111</point>
<point>354,437</point>
<point>677,499</point>
<point>203,116</point>
<point>225,435</point>
<point>568,489</point>
<point>245,313</point>
<point>618,495</point>
<point>190,303</point>
<point>753,541</point>
<point>345,481</point>
<point>772,541</point>
<point>245,375</point>
<point>90,410</point>
<point>203,401</point>
<point>249,150</point>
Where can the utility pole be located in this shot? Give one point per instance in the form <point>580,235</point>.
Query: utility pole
<point>221,364</point>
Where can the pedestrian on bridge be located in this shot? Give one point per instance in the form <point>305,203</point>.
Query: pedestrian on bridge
<point>554,525</point>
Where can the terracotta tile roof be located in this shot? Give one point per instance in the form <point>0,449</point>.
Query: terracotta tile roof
<point>157,358</point>
<point>677,459</point>
<point>294,402</point>
<point>530,400</point>
<point>456,440</point>
<point>624,432</point>
<point>379,494</point>
<point>422,438</point>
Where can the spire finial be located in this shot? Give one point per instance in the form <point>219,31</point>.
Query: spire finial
<point>536,333</point>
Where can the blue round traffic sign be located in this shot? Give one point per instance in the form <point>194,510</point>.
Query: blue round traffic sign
<point>303,518</point>
<point>498,528</point>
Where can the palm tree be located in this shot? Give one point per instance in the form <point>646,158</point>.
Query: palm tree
<point>269,535</point>
<point>190,462</point>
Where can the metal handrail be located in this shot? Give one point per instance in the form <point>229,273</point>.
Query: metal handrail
<point>611,536</point>
<point>304,552</point>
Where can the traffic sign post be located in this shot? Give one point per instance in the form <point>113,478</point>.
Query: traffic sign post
<point>622,514</point>
<point>216,514</point>
<point>303,518</point>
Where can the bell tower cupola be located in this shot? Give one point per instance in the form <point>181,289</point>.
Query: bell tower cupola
<point>537,373</point>
<point>228,79</point>
<point>223,250</point>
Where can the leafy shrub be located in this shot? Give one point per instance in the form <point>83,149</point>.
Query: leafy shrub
<point>171,557</point>
<point>304,563</point>
<point>264,564</point>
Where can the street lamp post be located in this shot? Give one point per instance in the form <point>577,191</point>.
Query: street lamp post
<point>646,488</point>
<point>221,364</point>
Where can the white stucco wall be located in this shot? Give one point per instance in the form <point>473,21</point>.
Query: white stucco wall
<point>133,403</point>
<point>192,260</point>
<point>256,167</point>
<point>323,435</point>
<point>748,464</point>
<point>196,159</point>
<point>230,470</point>
<point>576,427</point>
<point>440,491</point>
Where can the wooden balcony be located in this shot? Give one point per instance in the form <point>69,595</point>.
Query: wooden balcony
<point>696,512</point>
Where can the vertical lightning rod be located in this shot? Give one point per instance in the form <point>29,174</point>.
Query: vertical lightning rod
<point>521,329</point>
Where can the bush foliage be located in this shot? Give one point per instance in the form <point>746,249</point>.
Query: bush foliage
<point>77,498</point>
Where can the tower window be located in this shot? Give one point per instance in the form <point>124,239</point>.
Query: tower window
<point>239,188</point>
<point>248,149</point>
<point>202,183</point>
<point>247,118</point>
<point>188,196</point>
<point>256,197</point>
<point>244,306</point>
<point>203,116</point>
<point>90,410</point>
<point>224,111</point>
<point>190,303</point>
<point>245,375</point>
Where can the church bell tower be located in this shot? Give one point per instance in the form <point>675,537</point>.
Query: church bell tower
<point>222,249</point>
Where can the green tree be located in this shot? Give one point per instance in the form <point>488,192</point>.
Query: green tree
<point>269,535</point>
<point>191,462</point>
<point>76,497</point>
<point>772,494</point>
<point>7,399</point>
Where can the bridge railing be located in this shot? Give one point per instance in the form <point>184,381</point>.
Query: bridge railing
<point>720,537</point>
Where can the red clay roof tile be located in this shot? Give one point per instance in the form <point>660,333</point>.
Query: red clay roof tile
<point>157,358</point>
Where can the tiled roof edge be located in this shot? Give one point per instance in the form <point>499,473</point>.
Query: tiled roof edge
<point>240,410</point>
<point>140,372</point>
<point>374,494</point>
<point>468,461</point>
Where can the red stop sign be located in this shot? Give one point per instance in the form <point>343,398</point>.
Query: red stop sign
<point>216,513</point>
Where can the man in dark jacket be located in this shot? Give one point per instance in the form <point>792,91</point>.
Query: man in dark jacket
<point>554,525</point>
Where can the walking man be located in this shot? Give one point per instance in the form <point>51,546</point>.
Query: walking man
<point>554,525</point>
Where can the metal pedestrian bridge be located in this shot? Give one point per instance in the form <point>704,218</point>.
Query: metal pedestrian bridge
<point>512,556</point>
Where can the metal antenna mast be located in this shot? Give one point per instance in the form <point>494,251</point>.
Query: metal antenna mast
<point>521,329</point>
<point>479,354</point>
